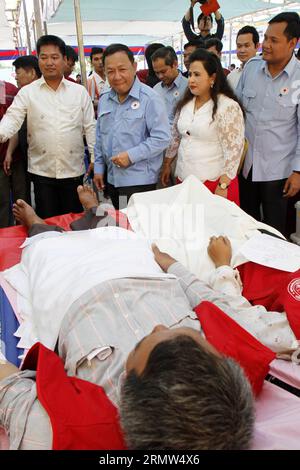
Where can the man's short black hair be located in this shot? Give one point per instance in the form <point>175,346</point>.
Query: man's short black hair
<point>28,62</point>
<point>114,48</point>
<point>187,398</point>
<point>249,30</point>
<point>203,16</point>
<point>214,42</point>
<point>195,42</point>
<point>292,19</point>
<point>167,53</point>
<point>48,40</point>
<point>96,50</point>
<point>71,53</point>
<point>149,51</point>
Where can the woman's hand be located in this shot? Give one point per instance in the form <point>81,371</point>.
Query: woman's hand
<point>221,192</point>
<point>165,175</point>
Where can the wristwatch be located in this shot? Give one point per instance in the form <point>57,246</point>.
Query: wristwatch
<point>223,185</point>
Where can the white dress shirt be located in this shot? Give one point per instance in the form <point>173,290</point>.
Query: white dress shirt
<point>95,85</point>
<point>57,121</point>
<point>234,77</point>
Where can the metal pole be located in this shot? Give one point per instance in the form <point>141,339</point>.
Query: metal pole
<point>80,42</point>
<point>27,27</point>
<point>181,52</point>
<point>230,41</point>
<point>38,18</point>
<point>21,41</point>
<point>44,22</point>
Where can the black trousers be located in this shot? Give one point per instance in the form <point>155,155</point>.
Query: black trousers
<point>56,196</point>
<point>120,196</point>
<point>88,220</point>
<point>264,201</point>
<point>13,187</point>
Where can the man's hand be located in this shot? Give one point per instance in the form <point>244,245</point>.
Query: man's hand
<point>219,250</point>
<point>122,160</point>
<point>292,185</point>
<point>163,259</point>
<point>7,164</point>
<point>99,181</point>
<point>165,175</point>
<point>90,169</point>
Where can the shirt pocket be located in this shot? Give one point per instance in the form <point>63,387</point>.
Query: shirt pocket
<point>285,108</point>
<point>105,122</point>
<point>133,123</point>
<point>248,99</point>
<point>82,358</point>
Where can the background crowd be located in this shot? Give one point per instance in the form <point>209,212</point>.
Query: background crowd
<point>132,131</point>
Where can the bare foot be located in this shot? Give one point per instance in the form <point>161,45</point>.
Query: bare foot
<point>87,197</point>
<point>25,214</point>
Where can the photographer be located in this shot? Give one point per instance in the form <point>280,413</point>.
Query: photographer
<point>204,22</point>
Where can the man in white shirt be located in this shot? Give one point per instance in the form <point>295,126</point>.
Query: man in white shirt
<point>96,81</point>
<point>58,114</point>
<point>247,44</point>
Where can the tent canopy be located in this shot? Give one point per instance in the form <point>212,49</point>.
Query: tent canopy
<point>154,10</point>
<point>137,22</point>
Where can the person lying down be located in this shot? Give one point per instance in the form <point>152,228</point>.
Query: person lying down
<point>140,339</point>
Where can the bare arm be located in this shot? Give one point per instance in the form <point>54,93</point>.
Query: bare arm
<point>188,13</point>
<point>13,143</point>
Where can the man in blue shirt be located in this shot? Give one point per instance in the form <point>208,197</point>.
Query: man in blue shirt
<point>269,90</point>
<point>172,85</point>
<point>132,130</point>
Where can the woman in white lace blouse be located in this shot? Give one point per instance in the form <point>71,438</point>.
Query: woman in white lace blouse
<point>208,131</point>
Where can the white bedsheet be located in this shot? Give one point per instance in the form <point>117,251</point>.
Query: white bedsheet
<point>181,219</point>
<point>56,271</point>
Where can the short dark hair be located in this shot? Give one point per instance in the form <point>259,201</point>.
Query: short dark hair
<point>28,62</point>
<point>71,53</point>
<point>292,19</point>
<point>249,30</point>
<point>214,42</point>
<point>187,398</point>
<point>167,53</point>
<point>195,42</point>
<point>149,51</point>
<point>204,16</point>
<point>114,48</point>
<point>49,39</point>
<point>96,50</point>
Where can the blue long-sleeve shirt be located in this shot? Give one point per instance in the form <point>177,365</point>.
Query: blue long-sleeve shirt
<point>172,94</point>
<point>139,126</point>
<point>272,119</point>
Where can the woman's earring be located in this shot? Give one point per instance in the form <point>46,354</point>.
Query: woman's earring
<point>212,84</point>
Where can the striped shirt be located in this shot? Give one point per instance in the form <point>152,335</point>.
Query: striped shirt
<point>101,328</point>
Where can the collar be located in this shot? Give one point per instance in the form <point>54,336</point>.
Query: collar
<point>64,82</point>
<point>134,92</point>
<point>98,76</point>
<point>288,69</point>
<point>175,83</point>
